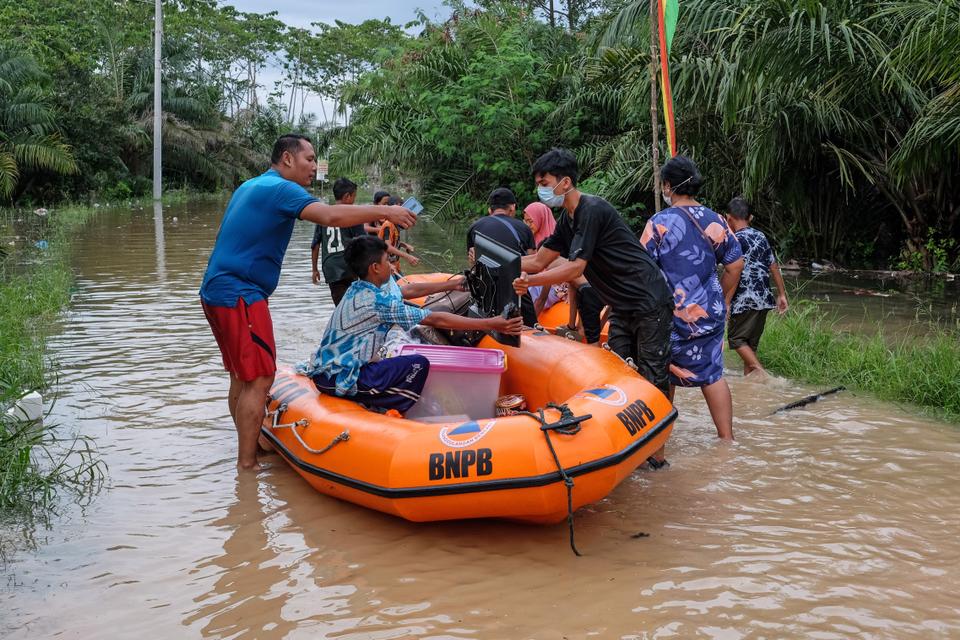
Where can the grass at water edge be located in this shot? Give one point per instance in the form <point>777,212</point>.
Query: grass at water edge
<point>924,370</point>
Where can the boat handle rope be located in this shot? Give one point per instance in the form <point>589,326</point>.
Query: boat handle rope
<point>630,363</point>
<point>568,425</point>
<point>343,436</point>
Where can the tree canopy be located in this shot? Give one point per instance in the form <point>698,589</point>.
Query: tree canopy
<point>838,119</point>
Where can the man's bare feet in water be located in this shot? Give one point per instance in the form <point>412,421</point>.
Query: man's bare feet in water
<point>256,468</point>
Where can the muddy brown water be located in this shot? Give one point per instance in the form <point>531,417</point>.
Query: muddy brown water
<point>839,520</point>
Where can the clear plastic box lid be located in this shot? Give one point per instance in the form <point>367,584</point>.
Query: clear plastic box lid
<point>460,359</point>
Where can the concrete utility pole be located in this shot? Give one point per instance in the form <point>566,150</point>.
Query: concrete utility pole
<point>157,106</point>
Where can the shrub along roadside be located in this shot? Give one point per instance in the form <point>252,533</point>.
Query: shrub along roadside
<point>925,371</point>
<point>36,462</point>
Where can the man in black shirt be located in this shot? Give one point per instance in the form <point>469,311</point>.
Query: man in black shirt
<point>600,246</point>
<point>502,225</point>
<point>331,243</point>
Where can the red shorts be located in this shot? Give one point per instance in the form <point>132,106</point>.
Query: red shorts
<point>245,336</point>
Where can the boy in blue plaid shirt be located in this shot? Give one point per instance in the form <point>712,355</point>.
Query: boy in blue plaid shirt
<point>348,363</point>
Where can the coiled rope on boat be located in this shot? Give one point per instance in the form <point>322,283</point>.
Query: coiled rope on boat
<point>568,425</point>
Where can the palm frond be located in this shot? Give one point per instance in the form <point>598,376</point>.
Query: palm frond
<point>44,154</point>
<point>9,173</point>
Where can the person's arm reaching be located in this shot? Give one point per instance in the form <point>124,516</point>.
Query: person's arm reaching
<point>314,254</point>
<point>444,320</point>
<point>347,215</point>
<point>541,300</point>
<point>412,260</point>
<point>393,251</point>
<point>421,289</point>
<point>536,262</point>
<point>730,279</point>
<point>563,273</point>
<point>782,305</point>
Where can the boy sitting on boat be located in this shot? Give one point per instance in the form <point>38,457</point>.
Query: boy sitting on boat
<point>348,363</point>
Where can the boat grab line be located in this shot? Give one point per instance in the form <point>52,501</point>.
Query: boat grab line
<point>470,487</point>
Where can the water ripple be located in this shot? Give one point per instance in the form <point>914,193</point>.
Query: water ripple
<point>835,520</point>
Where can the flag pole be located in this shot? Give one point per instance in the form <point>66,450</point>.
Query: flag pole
<point>654,116</point>
<point>666,29</point>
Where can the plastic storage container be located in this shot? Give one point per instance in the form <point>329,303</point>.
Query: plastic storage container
<point>462,380</point>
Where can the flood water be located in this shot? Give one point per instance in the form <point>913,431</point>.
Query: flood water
<point>840,520</point>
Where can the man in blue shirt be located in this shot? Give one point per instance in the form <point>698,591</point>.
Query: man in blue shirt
<point>244,269</point>
<point>349,363</point>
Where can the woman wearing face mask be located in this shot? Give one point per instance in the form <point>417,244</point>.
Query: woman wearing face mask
<point>688,240</point>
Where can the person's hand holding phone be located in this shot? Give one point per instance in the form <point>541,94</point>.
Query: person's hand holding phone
<point>400,216</point>
<point>413,205</point>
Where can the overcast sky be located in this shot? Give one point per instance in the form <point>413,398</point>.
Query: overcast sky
<point>300,13</point>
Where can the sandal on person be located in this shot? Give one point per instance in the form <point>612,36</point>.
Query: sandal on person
<point>656,465</point>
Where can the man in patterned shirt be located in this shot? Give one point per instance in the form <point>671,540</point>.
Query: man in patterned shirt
<point>348,362</point>
<point>753,298</point>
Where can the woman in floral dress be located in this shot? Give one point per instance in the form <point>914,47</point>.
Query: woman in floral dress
<point>688,240</point>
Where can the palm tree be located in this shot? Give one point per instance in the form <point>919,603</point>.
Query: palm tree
<point>29,141</point>
<point>822,110</point>
<point>462,108</point>
<point>199,145</point>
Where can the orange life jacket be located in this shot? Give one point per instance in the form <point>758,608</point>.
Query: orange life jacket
<point>389,233</point>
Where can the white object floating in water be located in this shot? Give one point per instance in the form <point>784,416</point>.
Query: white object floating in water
<point>41,211</point>
<point>29,408</point>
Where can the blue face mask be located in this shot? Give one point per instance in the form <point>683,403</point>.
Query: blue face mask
<point>549,198</point>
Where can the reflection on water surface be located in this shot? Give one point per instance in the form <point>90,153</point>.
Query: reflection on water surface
<point>829,522</point>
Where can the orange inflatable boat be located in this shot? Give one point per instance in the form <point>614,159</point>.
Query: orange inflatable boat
<point>516,467</point>
<point>559,315</point>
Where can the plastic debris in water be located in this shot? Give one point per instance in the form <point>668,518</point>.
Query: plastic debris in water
<point>29,407</point>
<point>41,244</point>
<point>41,211</point>
<point>802,402</point>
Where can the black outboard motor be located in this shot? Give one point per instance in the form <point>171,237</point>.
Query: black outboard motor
<point>491,284</point>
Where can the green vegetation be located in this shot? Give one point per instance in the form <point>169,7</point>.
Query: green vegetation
<point>840,119</point>
<point>76,86</point>
<point>805,345</point>
<point>28,141</point>
<point>463,110</point>
<point>35,462</point>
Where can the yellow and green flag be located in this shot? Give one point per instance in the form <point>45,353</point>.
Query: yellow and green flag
<point>668,11</point>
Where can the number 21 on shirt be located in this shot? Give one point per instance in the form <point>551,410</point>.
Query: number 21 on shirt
<point>334,240</point>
